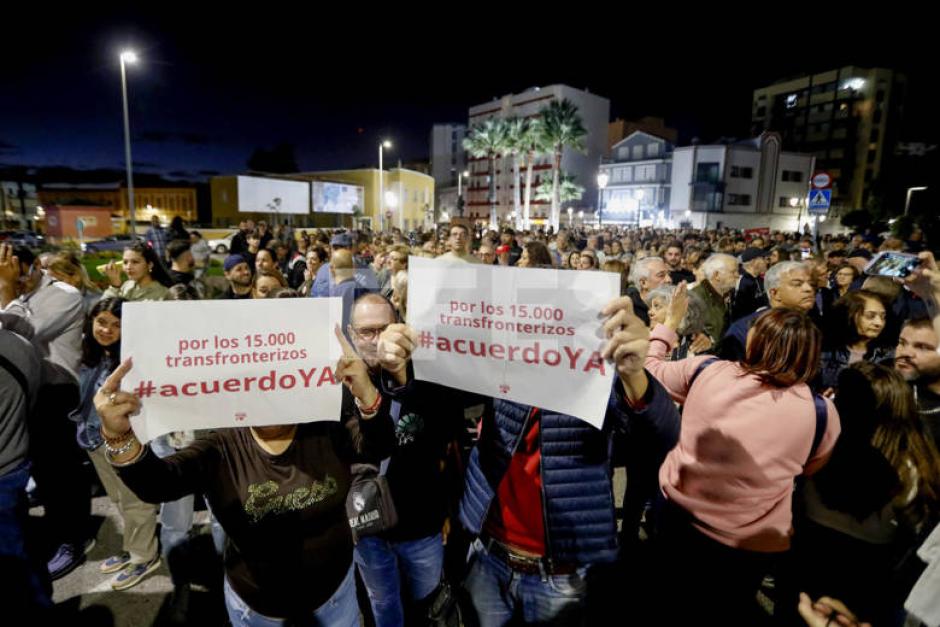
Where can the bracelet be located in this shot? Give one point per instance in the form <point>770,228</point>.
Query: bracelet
<point>117,452</point>
<point>118,439</point>
<point>373,408</point>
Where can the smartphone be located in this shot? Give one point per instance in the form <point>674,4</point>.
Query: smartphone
<point>892,264</point>
<point>119,264</point>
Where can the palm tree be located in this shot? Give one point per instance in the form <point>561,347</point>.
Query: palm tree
<point>488,140</point>
<point>568,189</point>
<point>516,130</point>
<point>562,128</point>
<point>534,146</point>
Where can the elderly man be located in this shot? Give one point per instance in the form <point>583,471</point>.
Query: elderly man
<point>646,275</point>
<point>721,276</point>
<point>789,284</point>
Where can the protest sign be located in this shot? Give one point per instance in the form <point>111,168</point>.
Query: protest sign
<point>527,335</point>
<point>213,364</point>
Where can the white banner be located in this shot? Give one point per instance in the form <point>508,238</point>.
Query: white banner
<point>225,363</point>
<point>527,335</point>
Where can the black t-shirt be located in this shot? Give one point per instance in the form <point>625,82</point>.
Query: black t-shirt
<point>288,544</point>
<point>430,417</point>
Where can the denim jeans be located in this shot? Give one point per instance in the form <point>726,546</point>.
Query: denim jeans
<point>26,580</point>
<point>341,610</point>
<point>500,594</point>
<point>383,565</point>
<point>176,521</point>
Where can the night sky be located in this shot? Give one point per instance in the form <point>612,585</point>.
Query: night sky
<point>209,90</point>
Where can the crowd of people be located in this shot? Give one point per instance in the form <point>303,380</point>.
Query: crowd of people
<point>775,408</point>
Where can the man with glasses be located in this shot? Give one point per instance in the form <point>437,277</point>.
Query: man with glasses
<point>427,418</point>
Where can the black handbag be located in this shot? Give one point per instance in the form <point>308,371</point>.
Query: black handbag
<point>369,504</point>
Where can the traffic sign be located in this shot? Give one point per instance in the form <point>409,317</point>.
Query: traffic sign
<point>822,180</point>
<point>819,201</point>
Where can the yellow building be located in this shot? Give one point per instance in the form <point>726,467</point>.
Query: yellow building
<point>408,199</point>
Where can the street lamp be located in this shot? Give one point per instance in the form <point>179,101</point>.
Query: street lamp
<point>570,216</point>
<point>910,191</point>
<point>638,195</point>
<point>128,56</point>
<point>602,179</point>
<point>382,146</point>
<point>460,178</point>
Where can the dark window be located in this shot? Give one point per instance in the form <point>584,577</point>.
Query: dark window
<point>868,176</point>
<point>707,173</point>
<point>876,118</point>
<point>874,136</point>
<point>761,111</point>
<point>871,155</point>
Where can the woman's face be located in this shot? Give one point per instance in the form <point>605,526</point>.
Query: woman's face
<point>313,262</point>
<point>657,313</point>
<point>844,277</point>
<point>573,261</point>
<point>264,261</point>
<point>264,285</point>
<point>135,266</point>
<point>586,262</point>
<point>871,322</point>
<point>106,328</point>
<point>774,257</point>
<point>524,259</point>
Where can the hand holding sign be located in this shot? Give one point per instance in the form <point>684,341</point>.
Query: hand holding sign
<point>628,337</point>
<point>113,406</point>
<point>396,344</point>
<point>354,374</point>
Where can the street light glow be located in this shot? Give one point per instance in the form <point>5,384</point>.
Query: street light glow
<point>386,144</point>
<point>794,202</point>
<point>602,180</point>
<point>129,56</point>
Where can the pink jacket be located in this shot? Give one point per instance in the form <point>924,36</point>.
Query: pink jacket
<point>741,445</point>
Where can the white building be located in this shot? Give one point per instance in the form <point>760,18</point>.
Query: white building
<point>595,116</point>
<point>639,178</point>
<point>742,185</point>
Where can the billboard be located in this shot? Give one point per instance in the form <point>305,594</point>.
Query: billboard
<point>336,197</point>
<point>263,195</point>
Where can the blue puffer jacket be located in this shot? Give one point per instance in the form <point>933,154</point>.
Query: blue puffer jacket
<point>577,494</point>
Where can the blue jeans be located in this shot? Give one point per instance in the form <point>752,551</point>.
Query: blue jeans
<point>384,564</point>
<point>500,594</point>
<point>341,610</point>
<point>176,521</point>
<point>26,579</point>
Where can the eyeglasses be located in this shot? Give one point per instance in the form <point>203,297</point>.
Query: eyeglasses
<point>368,334</point>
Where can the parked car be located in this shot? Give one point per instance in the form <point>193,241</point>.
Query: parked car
<point>22,238</point>
<point>221,245</point>
<point>112,242</point>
